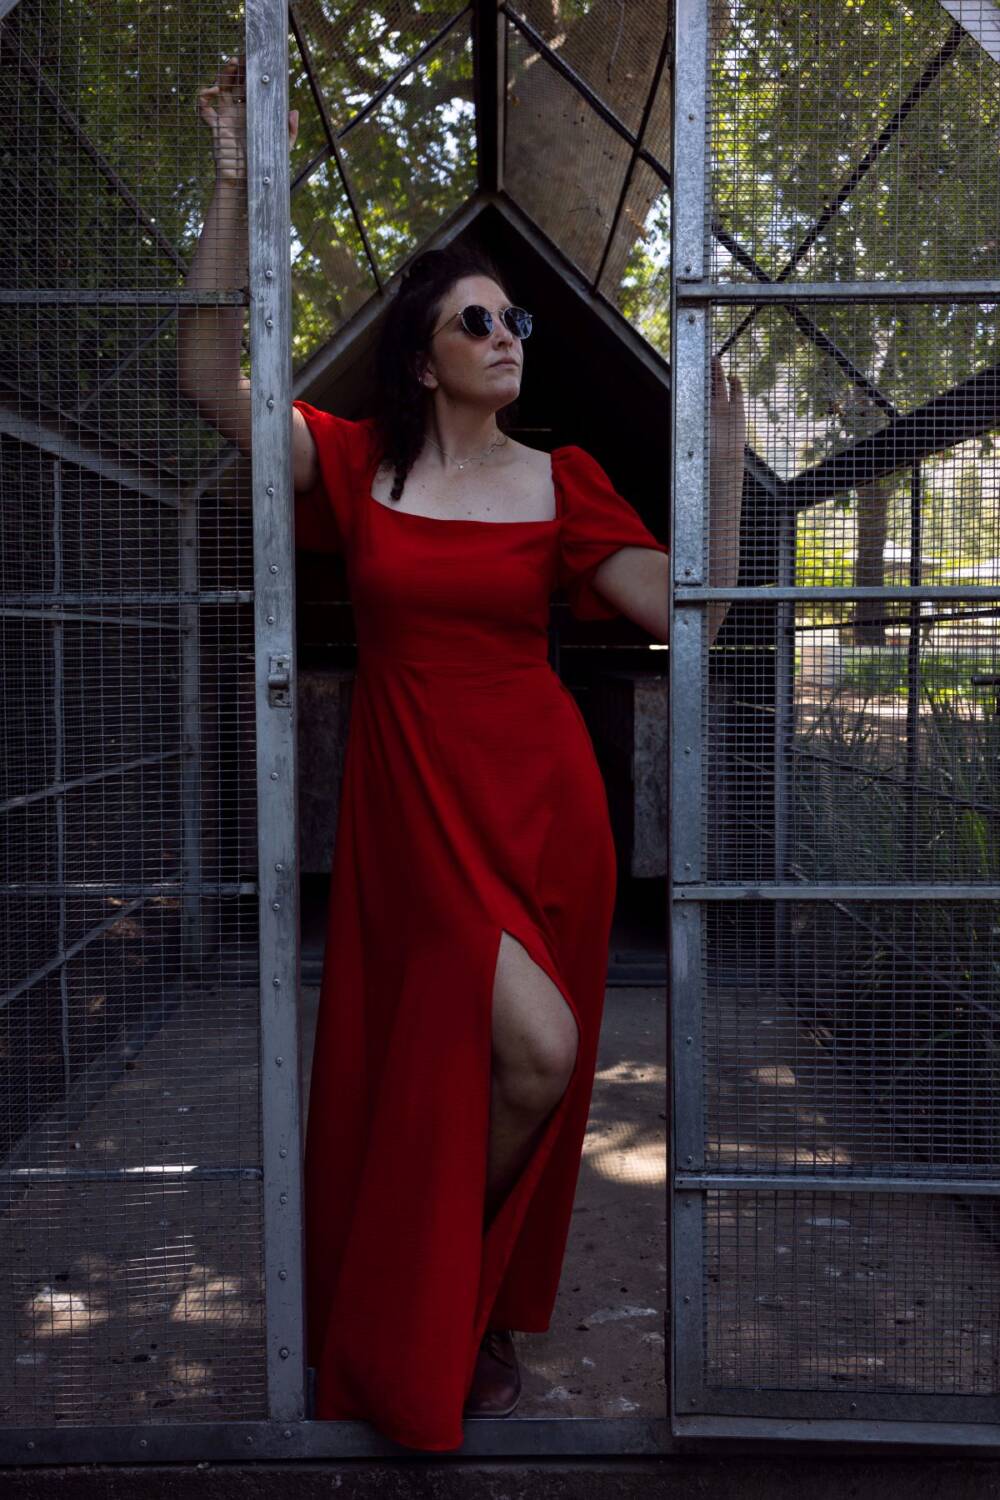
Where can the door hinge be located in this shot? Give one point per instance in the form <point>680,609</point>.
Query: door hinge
<point>279,681</point>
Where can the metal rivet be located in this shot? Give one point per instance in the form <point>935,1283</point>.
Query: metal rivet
<point>275,905</point>
<point>688,269</point>
<point>283,1151</point>
<point>687,571</point>
<point>283,1198</point>
<point>287,1432</point>
<point>279,867</point>
<point>690,117</point>
<point>267,79</point>
<point>249,1442</point>
<point>687,1299</point>
<point>268,322</point>
<point>143,1443</point>
<point>690,453</point>
<point>270,619</point>
<point>269,490</point>
<point>276,983</point>
<point>283,1352</point>
<point>282,1275</point>
<point>268,274</point>
<point>274,568</point>
<point>279,1061</point>
<point>689,1160</point>
<point>31,1445</point>
<point>689,1040</point>
<point>270,403</point>
<point>690,317</point>
<point>274,775</point>
<point>267,182</point>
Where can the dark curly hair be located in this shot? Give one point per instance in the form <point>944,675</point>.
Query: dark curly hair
<point>401,400</point>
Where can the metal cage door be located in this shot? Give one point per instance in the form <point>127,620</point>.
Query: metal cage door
<point>835,993</point>
<point>150,1226</point>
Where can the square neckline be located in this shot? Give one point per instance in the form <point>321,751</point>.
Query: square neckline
<point>418,515</point>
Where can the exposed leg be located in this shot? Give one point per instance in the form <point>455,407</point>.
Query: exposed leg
<point>535,1042</point>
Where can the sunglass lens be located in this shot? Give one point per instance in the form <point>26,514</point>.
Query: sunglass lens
<point>477,320</point>
<point>518,321</point>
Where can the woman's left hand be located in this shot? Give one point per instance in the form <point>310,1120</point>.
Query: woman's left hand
<point>728,426</point>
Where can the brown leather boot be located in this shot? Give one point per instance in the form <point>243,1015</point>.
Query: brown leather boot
<point>496,1381</point>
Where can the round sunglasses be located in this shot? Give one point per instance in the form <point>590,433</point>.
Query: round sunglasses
<point>478,321</point>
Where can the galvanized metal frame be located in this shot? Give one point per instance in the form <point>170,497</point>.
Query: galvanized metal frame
<point>781,293</point>
<point>232,1442</point>
<point>274,642</point>
<point>687,665</point>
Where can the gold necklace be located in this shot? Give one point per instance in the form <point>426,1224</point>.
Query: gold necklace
<point>460,463</point>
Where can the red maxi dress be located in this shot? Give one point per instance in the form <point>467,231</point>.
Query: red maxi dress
<point>471,804</point>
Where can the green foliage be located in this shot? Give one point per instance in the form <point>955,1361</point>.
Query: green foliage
<point>848,823</point>
<point>907,992</point>
<point>644,295</point>
<point>410,162</point>
<point>944,677</point>
<point>800,94</point>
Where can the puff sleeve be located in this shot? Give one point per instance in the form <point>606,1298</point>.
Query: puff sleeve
<point>596,521</point>
<point>323,514</point>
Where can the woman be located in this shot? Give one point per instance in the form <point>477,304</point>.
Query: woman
<point>474,871</point>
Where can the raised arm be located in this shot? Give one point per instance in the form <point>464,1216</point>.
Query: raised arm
<point>209,338</point>
<point>635,579</point>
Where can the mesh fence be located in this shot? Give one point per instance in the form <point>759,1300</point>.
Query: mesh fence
<point>847,1018</point>
<point>131,1224</point>
<point>820,1292</point>
<point>873,130</point>
<point>386,149</point>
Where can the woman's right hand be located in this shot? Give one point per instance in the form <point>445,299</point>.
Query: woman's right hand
<point>228,120</point>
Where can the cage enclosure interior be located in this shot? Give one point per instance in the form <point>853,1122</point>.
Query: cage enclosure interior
<point>806,805</point>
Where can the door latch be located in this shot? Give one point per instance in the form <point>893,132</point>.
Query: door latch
<point>279,681</point>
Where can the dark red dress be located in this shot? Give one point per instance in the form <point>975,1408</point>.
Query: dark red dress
<point>471,803</point>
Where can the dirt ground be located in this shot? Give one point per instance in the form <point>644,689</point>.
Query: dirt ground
<point>134,1299</point>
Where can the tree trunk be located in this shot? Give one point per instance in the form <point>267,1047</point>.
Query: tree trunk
<point>869,566</point>
<point>872,514</point>
<point>565,166</point>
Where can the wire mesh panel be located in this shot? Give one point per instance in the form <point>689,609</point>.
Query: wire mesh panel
<point>386,150</point>
<point>874,142</point>
<point>587,142</point>
<point>836,839</point>
<point>131,1187</point>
